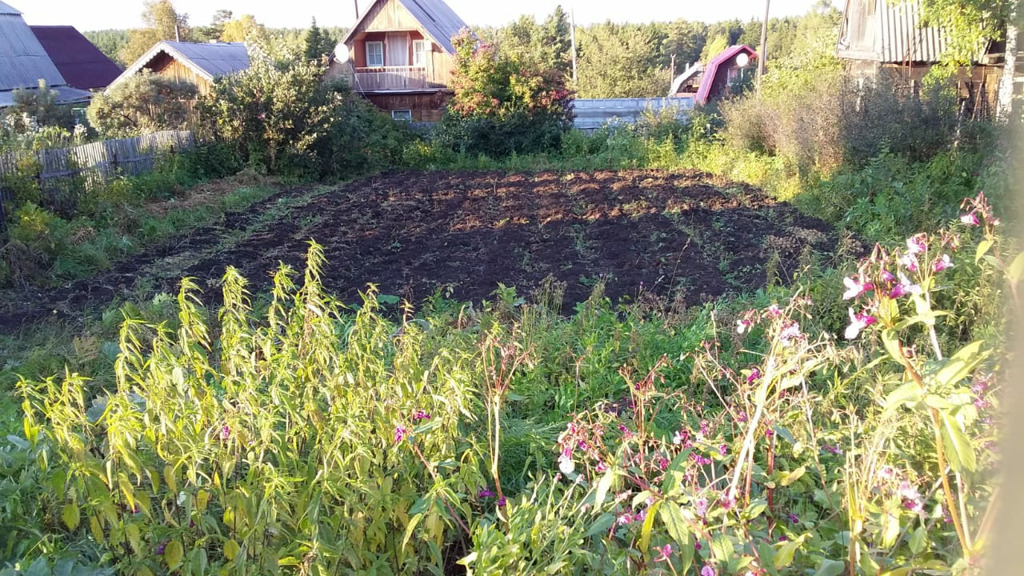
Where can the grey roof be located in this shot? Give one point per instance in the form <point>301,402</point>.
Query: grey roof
<point>24,62</point>
<point>437,18</point>
<point>207,60</point>
<point>882,31</point>
<point>65,94</point>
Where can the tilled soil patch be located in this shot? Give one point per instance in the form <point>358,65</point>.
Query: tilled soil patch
<point>412,233</point>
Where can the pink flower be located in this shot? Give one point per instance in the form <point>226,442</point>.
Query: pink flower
<point>485,493</point>
<point>664,553</point>
<point>789,333</point>
<point>701,504</point>
<point>909,261</point>
<point>971,219</point>
<point>602,467</point>
<point>773,311</point>
<point>754,375</point>
<point>727,501</point>
<point>917,244</point>
<point>225,432</point>
<point>943,263</point>
<point>858,322</point>
<point>624,519</point>
<point>708,570</point>
<point>400,433</point>
<point>855,287</point>
<point>903,288</point>
<point>421,415</point>
<point>742,326</point>
<point>678,437</point>
<point>887,276</point>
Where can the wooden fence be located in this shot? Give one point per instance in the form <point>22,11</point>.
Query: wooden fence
<point>56,169</point>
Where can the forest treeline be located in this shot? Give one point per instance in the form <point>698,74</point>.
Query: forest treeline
<point>614,60</point>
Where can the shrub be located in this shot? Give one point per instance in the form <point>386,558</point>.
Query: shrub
<point>142,104</point>
<point>502,106</point>
<point>39,107</point>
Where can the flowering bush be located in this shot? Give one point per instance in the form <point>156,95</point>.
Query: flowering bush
<point>502,105</point>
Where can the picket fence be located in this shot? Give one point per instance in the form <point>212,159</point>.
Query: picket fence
<point>55,169</point>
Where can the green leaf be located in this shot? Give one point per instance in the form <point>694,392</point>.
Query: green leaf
<point>601,525</point>
<point>603,486</point>
<point>789,478</point>
<point>908,393</point>
<point>890,530</point>
<point>645,532</point>
<point>960,365</point>
<point>38,568</point>
<point>173,553</point>
<point>722,548</point>
<point>71,516</point>
<point>918,539</point>
<point>231,550</point>
<point>410,528</point>
<point>890,338</point>
<point>959,452</point>
<point>755,508</point>
<point>784,557</point>
<point>983,247</point>
<point>1016,269</point>
<point>672,517</point>
<point>830,568</point>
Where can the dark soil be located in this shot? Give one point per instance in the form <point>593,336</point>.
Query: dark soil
<point>412,233</point>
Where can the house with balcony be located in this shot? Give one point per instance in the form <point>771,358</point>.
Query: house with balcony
<point>399,56</point>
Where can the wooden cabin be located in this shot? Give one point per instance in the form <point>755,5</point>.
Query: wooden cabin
<point>400,57</point>
<point>195,63</point>
<point>879,37</point>
<point>716,80</point>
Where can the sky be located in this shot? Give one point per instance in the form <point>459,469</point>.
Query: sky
<point>105,14</point>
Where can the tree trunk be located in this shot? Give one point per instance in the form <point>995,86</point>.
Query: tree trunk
<point>1004,104</point>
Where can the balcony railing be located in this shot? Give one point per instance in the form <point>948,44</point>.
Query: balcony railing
<point>391,78</point>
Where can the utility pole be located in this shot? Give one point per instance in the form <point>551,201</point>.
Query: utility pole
<point>672,73</point>
<point>572,36</point>
<point>763,55</point>
<point>356,3</point>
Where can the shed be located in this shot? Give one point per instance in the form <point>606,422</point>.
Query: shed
<point>81,63</point>
<point>192,62</point>
<point>722,71</point>
<point>24,62</point>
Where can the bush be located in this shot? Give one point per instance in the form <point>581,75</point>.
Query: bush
<point>502,106</point>
<point>142,104</point>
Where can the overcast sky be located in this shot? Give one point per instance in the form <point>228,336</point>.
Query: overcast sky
<point>103,14</point>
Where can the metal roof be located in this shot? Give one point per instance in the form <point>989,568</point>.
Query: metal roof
<point>887,32</point>
<point>693,70</point>
<point>437,18</point>
<point>209,61</point>
<point>65,95</point>
<point>81,63</point>
<point>24,62</point>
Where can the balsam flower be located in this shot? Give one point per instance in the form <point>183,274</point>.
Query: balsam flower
<point>858,322</point>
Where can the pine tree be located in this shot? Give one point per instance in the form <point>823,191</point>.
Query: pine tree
<point>318,43</point>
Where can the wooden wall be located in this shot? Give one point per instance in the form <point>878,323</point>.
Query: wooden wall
<point>978,86</point>
<point>426,107</point>
<point>168,67</point>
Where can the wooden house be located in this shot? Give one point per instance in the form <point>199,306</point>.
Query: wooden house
<point>879,36</point>
<point>24,63</point>
<point>715,80</point>
<point>399,55</point>
<point>191,62</point>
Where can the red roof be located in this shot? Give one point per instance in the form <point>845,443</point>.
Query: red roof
<point>709,74</point>
<point>81,63</point>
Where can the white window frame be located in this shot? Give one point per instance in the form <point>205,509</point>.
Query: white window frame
<point>422,53</point>
<point>402,113</point>
<point>380,45</point>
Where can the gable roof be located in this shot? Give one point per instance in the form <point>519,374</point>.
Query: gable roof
<point>881,31</point>
<point>712,70</point>
<point>208,61</point>
<point>81,63</point>
<point>436,16</point>
<point>24,62</point>
<point>693,70</point>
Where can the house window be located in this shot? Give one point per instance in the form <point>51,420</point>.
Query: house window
<point>419,53</point>
<point>405,115</point>
<point>374,54</point>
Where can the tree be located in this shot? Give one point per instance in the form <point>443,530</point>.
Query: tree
<point>545,46</point>
<point>684,40</point>
<point>41,105</point>
<point>243,29</point>
<point>142,104</point>
<point>162,22</point>
<point>317,43</point>
<point>621,61</point>
<point>110,42</point>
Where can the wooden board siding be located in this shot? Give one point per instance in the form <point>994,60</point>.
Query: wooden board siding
<point>168,67</point>
<point>978,86</point>
<point>425,107</point>
<point>388,16</point>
